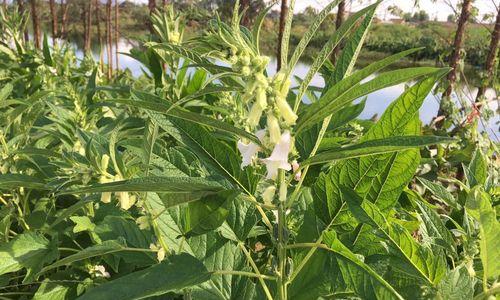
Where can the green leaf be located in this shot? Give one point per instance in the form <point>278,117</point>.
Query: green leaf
<point>333,102</point>
<point>285,41</point>
<point>477,171</point>
<point>241,218</point>
<point>53,291</point>
<point>5,91</point>
<point>215,154</point>
<point>376,146</point>
<point>173,274</point>
<point>106,247</point>
<point>425,264</point>
<point>478,206</point>
<point>434,226</point>
<point>82,223</point>
<point>440,192</point>
<point>358,276</point>
<point>457,284</point>
<point>328,48</point>
<point>309,34</point>
<point>208,213</point>
<point>186,187</point>
<point>379,178</point>
<point>13,181</point>
<point>27,250</point>
<point>151,102</point>
<point>258,26</point>
<point>47,57</point>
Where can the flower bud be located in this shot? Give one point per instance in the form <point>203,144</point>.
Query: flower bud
<point>255,114</point>
<point>246,71</point>
<point>261,98</point>
<point>104,162</point>
<point>274,128</point>
<point>286,111</point>
<point>268,194</point>
<point>105,197</point>
<point>126,201</point>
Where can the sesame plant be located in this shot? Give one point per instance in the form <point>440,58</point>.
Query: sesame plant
<point>209,178</point>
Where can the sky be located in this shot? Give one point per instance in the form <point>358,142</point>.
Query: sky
<point>439,9</point>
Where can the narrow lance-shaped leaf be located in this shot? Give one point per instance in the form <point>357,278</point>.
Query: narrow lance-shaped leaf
<point>185,189</point>
<point>328,105</point>
<point>154,103</point>
<point>329,46</point>
<point>377,146</point>
<point>309,34</point>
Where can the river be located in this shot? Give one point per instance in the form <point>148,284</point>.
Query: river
<point>376,102</point>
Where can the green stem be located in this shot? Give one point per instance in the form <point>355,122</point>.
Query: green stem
<point>256,270</point>
<point>282,259</point>
<point>321,133</point>
<point>242,273</point>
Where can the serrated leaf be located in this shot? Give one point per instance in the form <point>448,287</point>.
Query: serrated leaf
<point>429,267</point>
<point>457,284</point>
<point>208,213</point>
<point>440,192</point>
<point>358,276</point>
<point>477,171</point>
<point>379,178</point>
<point>479,207</point>
<point>28,250</point>
<point>174,273</point>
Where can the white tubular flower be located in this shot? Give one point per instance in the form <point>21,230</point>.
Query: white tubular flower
<point>279,157</point>
<point>286,111</point>
<point>274,128</point>
<point>100,271</point>
<point>249,150</point>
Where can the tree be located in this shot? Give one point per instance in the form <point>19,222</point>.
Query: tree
<point>64,19</point>
<point>283,14</point>
<point>117,23</point>
<point>456,55</point>
<point>338,22</point>
<point>53,15</point>
<point>451,18</point>
<point>244,7</point>
<point>36,23</point>
<point>87,25</point>
<point>22,10</point>
<point>109,39</point>
<point>99,34</point>
<point>152,8</point>
<point>491,60</point>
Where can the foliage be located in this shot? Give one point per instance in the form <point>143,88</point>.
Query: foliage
<point>206,178</point>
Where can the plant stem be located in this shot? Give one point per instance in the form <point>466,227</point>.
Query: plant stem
<point>321,133</point>
<point>256,270</point>
<point>282,259</point>
<point>242,273</point>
